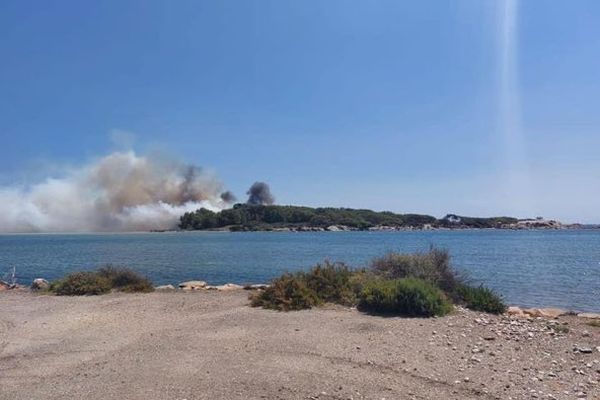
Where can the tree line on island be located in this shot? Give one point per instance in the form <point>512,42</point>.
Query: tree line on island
<point>260,217</point>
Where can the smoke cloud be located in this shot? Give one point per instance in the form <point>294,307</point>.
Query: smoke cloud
<point>119,192</point>
<point>260,194</point>
<point>228,197</point>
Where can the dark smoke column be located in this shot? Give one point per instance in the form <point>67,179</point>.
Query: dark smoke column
<point>260,194</point>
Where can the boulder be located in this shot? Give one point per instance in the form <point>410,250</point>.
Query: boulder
<point>40,284</point>
<point>165,287</point>
<point>589,315</point>
<point>545,312</point>
<point>257,286</point>
<point>516,311</point>
<point>227,287</point>
<point>192,285</point>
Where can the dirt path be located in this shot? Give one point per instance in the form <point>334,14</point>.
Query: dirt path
<point>210,345</point>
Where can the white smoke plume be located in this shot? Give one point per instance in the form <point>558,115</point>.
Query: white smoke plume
<point>119,192</point>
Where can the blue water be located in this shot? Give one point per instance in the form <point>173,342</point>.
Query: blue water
<point>529,268</point>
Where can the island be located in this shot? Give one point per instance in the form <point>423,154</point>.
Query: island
<point>258,217</point>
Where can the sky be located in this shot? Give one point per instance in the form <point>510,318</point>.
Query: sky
<point>389,105</point>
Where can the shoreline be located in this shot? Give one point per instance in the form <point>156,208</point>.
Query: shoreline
<point>514,309</point>
<point>308,230</point>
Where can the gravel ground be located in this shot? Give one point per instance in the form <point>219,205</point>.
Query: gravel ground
<point>211,345</point>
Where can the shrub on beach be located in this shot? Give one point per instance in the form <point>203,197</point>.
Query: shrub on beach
<point>481,298</point>
<point>125,279</point>
<point>286,293</point>
<point>101,281</point>
<point>433,266</point>
<point>324,283</point>
<point>81,283</point>
<point>331,282</point>
<point>421,284</point>
<point>408,296</point>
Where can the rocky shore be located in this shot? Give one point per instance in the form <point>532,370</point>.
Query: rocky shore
<point>208,344</point>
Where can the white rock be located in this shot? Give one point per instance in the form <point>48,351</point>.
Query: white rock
<point>192,285</point>
<point>228,286</point>
<point>165,287</point>
<point>40,284</point>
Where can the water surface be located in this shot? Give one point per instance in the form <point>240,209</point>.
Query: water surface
<point>530,268</point>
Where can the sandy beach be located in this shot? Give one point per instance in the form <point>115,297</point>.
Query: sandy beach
<point>211,345</point>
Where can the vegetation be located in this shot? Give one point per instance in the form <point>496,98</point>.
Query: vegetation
<point>286,293</point>
<point>101,281</point>
<point>249,217</point>
<point>81,283</point>
<point>324,283</point>
<point>481,298</point>
<point>268,217</point>
<point>433,266</point>
<point>452,220</point>
<point>409,296</point>
<point>125,279</point>
<point>421,284</point>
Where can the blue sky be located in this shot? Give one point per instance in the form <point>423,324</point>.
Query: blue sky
<point>386,104</point>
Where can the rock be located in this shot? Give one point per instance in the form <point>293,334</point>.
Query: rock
<point>545,312</point>
<point>257,286</point>
<point>584,350</point>
<point>165,287</point>
<point>333,228</point>
<point>192,285</point>
<point>4,286</point>
<point>589,315</point>
<point>40,284</point>
<point>513,310</point>
<point>227,287</point>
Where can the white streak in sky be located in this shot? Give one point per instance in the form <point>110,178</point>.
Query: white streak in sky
<point>518,182</point>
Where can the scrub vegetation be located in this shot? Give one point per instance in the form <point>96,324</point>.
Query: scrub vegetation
<point>250,217</point>
<point>101,281</point>
<point>420,284</point>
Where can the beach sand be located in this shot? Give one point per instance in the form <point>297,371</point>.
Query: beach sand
<point>211,345</point>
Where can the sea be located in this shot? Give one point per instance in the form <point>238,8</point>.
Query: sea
<point>536,268</point>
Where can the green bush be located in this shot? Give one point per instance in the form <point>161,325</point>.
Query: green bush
<point>81,283</point>
<point>125,279</point>
<point>331,283</point>
<point>101,281</point>
<point>408,296</point>
<point>481,298</point>
<point>324,283</point>
<point>286,293</point>
<point>433,266</point>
